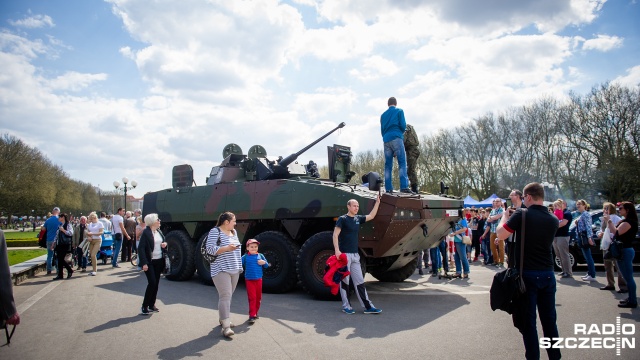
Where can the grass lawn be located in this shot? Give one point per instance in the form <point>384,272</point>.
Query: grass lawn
<point>18,256</point>
<point>19,235</point>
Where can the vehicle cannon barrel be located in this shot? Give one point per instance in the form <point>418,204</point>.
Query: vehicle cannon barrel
<point>293,157</point>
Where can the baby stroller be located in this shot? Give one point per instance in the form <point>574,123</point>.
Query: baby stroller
<point>106,248</point>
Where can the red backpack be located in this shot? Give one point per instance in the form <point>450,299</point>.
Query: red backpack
<point>42,238</point>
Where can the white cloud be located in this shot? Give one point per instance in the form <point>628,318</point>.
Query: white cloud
<point>74,81</point>
<point>33,22</point>
<point>374,67</point>
<point>632,78</point>
<point>603,43</point>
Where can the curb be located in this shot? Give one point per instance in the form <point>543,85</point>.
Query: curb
<point>24,270</point>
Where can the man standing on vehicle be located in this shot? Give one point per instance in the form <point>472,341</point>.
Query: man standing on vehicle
<point>119,232</point>
<point>537,272</point>
<point>561,242</point>
<point>52,224</point>
<point>345,240</point>
<point>392,127</point>
<point>412,148</point>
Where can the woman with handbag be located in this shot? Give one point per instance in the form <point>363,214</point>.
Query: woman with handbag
<point>626,234</point>
<point>460,229</point>
<point>584,233</point>
<point>62,246</point>
<point>610,210</point>
<point>225,270</point>
<point>151,260</point>
<point>95,229</point>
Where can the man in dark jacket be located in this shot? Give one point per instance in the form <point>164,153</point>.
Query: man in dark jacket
<point>538,275</point>
<point>412,148</point>
<point>8,311</point>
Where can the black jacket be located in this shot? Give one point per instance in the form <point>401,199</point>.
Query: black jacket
<point>146,245</point>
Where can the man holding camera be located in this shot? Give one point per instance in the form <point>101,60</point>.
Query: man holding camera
<point>537,269</point>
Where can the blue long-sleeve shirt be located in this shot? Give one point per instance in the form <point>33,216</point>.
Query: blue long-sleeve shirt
<point>392,124</point>
<point>253,271</point>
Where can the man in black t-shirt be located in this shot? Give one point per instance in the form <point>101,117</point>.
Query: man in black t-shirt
<point>537,272</point>
<point>345,240</point>
<point>561,242</point>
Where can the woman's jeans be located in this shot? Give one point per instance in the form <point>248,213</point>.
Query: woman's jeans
<point>225,284</point>
<point>395,148</point>
<point>591,266</point>
<point>461,255</point>
<point>626,268</point>
<point>540,294</point>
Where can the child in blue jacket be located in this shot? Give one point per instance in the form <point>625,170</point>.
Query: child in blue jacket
<point>253,263</point>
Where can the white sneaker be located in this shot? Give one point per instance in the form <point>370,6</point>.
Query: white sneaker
<point>588,278</point>
<point>93,273</point>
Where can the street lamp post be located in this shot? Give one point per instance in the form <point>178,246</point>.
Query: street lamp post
<point>124,187</point>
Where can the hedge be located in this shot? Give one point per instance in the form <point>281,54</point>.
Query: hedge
<point>22,243</point>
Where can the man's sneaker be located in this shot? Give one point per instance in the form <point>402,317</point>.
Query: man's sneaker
<point>420,272</point>
<point>389,191</point>
<point>144,311</point>
<point>116,266</point>
<point>154,309</point>
<point>348,311</point>
<point>407,191</point>
<point>588,278</point>
<point>372,311</point>
<point>434,274</point>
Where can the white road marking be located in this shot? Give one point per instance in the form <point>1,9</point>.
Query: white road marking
<point>39,295</point>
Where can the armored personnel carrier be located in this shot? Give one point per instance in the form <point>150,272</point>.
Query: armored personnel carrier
<point>292,213</point>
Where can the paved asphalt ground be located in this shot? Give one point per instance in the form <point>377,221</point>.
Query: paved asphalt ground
<point>423,318</point>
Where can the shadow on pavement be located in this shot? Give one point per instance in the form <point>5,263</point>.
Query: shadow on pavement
<point>117,323</point>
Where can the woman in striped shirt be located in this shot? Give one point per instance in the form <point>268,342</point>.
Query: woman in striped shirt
<point>226,269</point>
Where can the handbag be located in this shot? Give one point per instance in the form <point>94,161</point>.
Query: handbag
<point>68,258</point>
<point>466,240</point>
<point>64,239</point>
<point>507,286</point>
<point>606,240</point>
<point>167,264</point>
<point>583,239</point>
<point>615,250</point>
<point>210,258</point>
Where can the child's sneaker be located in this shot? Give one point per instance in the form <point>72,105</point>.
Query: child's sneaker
<point>372,311</point>
<point>252,319</point>
<point>348,311</point>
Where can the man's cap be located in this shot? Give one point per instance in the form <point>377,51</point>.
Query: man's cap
<point>251,241</point>
<point>56,209</point>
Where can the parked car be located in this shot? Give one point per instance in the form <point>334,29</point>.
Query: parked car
<point>575,253</point>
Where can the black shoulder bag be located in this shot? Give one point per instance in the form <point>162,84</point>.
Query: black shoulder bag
<point>508,286</point>
<point>210,258</point>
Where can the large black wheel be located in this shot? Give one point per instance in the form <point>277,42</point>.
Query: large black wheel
<point>281,254</point>
<point>311,263</point>
<point>397,275</point>
<point>202,265</point>
<point>180,251</point>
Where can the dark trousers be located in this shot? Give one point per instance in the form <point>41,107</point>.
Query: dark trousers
<point>61,263</point>
<point>541,294</point>
<point>153,280</point>
<point>126,250</point>
<point>82,260</point>
<point>443,252</point>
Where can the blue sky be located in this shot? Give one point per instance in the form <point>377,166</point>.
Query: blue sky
<point>117,88</point>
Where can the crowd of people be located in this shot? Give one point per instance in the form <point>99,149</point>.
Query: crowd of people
<point>497,231</point>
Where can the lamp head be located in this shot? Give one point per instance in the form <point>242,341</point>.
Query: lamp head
<point>116,184</point>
